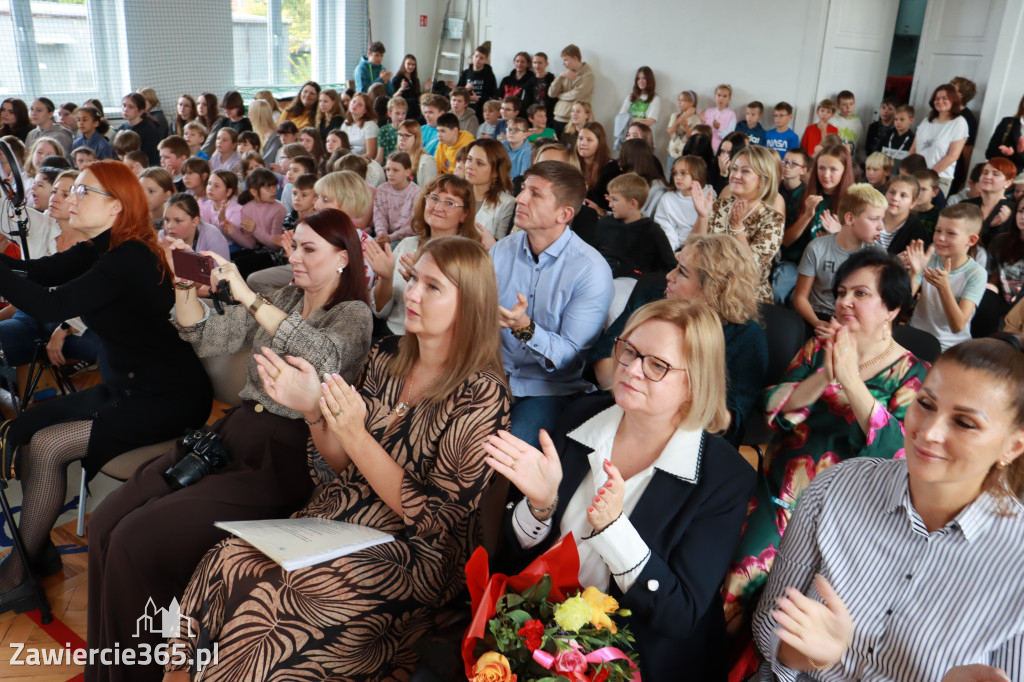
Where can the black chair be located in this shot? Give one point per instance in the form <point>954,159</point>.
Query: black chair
<point>922,344</point>
<point>786,334</point>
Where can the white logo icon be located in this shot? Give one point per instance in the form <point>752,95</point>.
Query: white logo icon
<point>164,622</point>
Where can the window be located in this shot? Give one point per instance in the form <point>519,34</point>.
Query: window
<point>48,48</point>
<point>272,40</point>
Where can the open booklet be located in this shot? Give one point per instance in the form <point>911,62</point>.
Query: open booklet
<point>297,543</point>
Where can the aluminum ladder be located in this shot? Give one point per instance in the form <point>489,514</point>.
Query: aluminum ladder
<point>451,49</point>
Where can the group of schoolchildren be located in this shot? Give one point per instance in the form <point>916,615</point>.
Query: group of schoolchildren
<point>898,206</point>
<point>252,196</point>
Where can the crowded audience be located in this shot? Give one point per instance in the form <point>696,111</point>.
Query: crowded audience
<point>449,292</point>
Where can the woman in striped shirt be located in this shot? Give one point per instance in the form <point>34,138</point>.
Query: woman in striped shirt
<point>908,569</point>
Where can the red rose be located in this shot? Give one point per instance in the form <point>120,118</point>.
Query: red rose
<point>602,675</point>
<point>532,633</point>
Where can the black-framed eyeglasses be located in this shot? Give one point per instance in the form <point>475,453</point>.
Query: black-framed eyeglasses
<point>653,368</point>
<point>82,191</point>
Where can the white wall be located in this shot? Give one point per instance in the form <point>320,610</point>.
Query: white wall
<point>768,51</point>
<point>1005,83</point>
<point>396,24</point>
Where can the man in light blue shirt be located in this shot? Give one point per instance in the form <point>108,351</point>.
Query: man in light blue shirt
<point>554,293</point>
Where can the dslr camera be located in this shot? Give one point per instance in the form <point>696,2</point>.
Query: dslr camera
<point>207,455</point>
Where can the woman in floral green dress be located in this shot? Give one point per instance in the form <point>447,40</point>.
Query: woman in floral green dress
<point>844,395</point>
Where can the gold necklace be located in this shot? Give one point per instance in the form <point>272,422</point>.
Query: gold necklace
<point>402,407</point>
<point>878,358</point>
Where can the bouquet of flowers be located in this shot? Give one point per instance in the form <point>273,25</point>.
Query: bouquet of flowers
<point>539,626</point>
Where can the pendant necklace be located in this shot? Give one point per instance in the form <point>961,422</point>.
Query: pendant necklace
<point>402,407</point>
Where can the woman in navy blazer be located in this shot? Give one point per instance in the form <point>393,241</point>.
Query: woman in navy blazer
<point>655,502</point>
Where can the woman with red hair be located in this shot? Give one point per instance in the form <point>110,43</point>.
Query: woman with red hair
<point>996,210</point>
<point>119,283</point>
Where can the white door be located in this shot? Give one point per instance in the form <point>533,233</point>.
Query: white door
<point>958,39</point>
<point>855,56</point>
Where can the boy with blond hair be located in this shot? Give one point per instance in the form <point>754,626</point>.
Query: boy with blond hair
<point>387,136</point>
<point>860,220</point>
<point>631,243</point>
<point>195,134</point>
<point>492,114</point>
<point>877,168</point>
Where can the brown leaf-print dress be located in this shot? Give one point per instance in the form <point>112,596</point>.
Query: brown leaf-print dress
<point>356,617</point>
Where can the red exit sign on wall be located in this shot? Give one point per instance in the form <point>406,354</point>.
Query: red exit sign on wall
<point>423,20</point>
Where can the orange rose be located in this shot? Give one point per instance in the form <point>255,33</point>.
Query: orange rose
<point>492,667</point>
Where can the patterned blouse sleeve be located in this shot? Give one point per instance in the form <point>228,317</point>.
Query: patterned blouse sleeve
<point>764,232</point>
<point>338,342</point>
<point>802,366</point>
<point>438,503</point>
<point>219,334</point>
<point>898,388</point>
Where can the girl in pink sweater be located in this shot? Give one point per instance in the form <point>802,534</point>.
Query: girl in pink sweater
<point>261,226</point>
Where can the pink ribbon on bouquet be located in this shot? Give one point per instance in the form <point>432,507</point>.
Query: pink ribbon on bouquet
<point>602,655</point>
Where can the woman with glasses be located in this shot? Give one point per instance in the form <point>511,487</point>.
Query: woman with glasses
<point>844,395</point>
<point>118,281</point>
<point>716,270</point>
<point>748,214</point>
<point>654,501</point>
<point>444,208</point>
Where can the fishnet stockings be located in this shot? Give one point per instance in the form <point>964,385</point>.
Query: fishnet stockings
<point>44,482</point>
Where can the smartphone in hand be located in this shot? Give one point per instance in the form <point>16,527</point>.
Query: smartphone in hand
<point>193,266</point>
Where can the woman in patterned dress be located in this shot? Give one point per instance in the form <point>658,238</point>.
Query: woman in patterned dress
<point>748,213</point>
<point>401,451</point>
<point>830,406</point>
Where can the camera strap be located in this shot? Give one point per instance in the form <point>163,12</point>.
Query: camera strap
<point>8,453</point>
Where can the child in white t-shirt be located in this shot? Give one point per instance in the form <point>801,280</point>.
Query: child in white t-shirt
<point>676,214</point>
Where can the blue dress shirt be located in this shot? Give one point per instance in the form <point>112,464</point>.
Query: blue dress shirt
<point>568,290</point>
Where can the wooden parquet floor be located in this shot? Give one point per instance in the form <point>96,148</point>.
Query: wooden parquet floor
<point>67,593</point>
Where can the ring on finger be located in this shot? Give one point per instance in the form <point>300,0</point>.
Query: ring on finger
<point>338,413</point>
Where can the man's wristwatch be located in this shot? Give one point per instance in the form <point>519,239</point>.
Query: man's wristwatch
<point>257,303</point>
<point>526,333</point>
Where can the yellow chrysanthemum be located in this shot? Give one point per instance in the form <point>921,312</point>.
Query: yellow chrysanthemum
<point>573,613</point>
